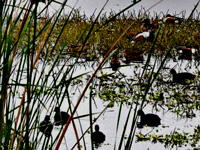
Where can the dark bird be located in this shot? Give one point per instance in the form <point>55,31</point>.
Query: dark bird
<point>133,56</point>
<point>173,19</point>
<point>46,126</point>
<point>115,63</point>
<point>97,136</point>
<point>181,77</point>
<point>187,52</point>
<point>145,24</point>
<point>148,25</point>
<point>169,19</point>
<point>60,117</point>
<point>143,36</point>
<point>151,120</point>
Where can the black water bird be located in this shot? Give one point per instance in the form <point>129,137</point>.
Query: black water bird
<point>46,126</point>
<point>151,120</point>
<point>60,117</point>
<point>98,137</point>
<point>181,77</point>
<point>115,63</point>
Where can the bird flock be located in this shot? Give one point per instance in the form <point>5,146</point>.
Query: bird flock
<point>60,119</point>
<point>147,34</point>
<point>148,28</point>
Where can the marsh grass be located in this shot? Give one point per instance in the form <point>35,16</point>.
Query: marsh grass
<point>104,34</point>
<point>39,57</point>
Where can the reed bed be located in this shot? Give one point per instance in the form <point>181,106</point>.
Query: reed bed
<point>105,34</point>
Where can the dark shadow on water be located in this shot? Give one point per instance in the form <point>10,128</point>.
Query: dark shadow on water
<point>60,117</point>
<point>98,137</point>
<point>151,120</point>
<point>46,126</point>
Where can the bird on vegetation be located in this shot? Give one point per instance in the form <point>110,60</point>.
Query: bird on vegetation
<point>145,24</point>
<point>181,77</point>
<point>97,136</point>
<point>151,120</point>
<point>115,63</point>
<point>143,36</point>
<point>172,19</point>
<point>46,126</point>
<point>148,25</point>
<point>60,117</point>
<point>169,19</point>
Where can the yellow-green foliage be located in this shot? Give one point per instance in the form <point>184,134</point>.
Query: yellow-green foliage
<point>103,37</point>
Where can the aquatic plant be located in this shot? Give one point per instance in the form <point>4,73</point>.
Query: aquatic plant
<point>173,139</point>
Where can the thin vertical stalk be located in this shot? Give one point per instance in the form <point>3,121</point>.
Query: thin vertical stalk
<point>29,72</point>
<point>91,125</point>
<point>87,85</point>
<point>90,112</point>
<point>25,90</point>
<point>2,92</point>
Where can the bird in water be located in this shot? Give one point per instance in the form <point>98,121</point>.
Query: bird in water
<point>181,77</point>
<point>115,63</point>
<point>187,52</point>
<point>46,126</point>
<point>60,117</point>
<point>150,120</point>
<point>133,56</point>
<point>98,137</point>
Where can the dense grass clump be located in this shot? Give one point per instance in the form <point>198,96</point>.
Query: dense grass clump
<point>104,35</point>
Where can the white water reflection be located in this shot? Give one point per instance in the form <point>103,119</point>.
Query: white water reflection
<point>108,121</point>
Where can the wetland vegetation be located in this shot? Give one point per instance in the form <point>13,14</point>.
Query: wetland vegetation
<point>40,58</point>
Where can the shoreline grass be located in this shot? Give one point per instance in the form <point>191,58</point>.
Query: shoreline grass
<point>102,37</point>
